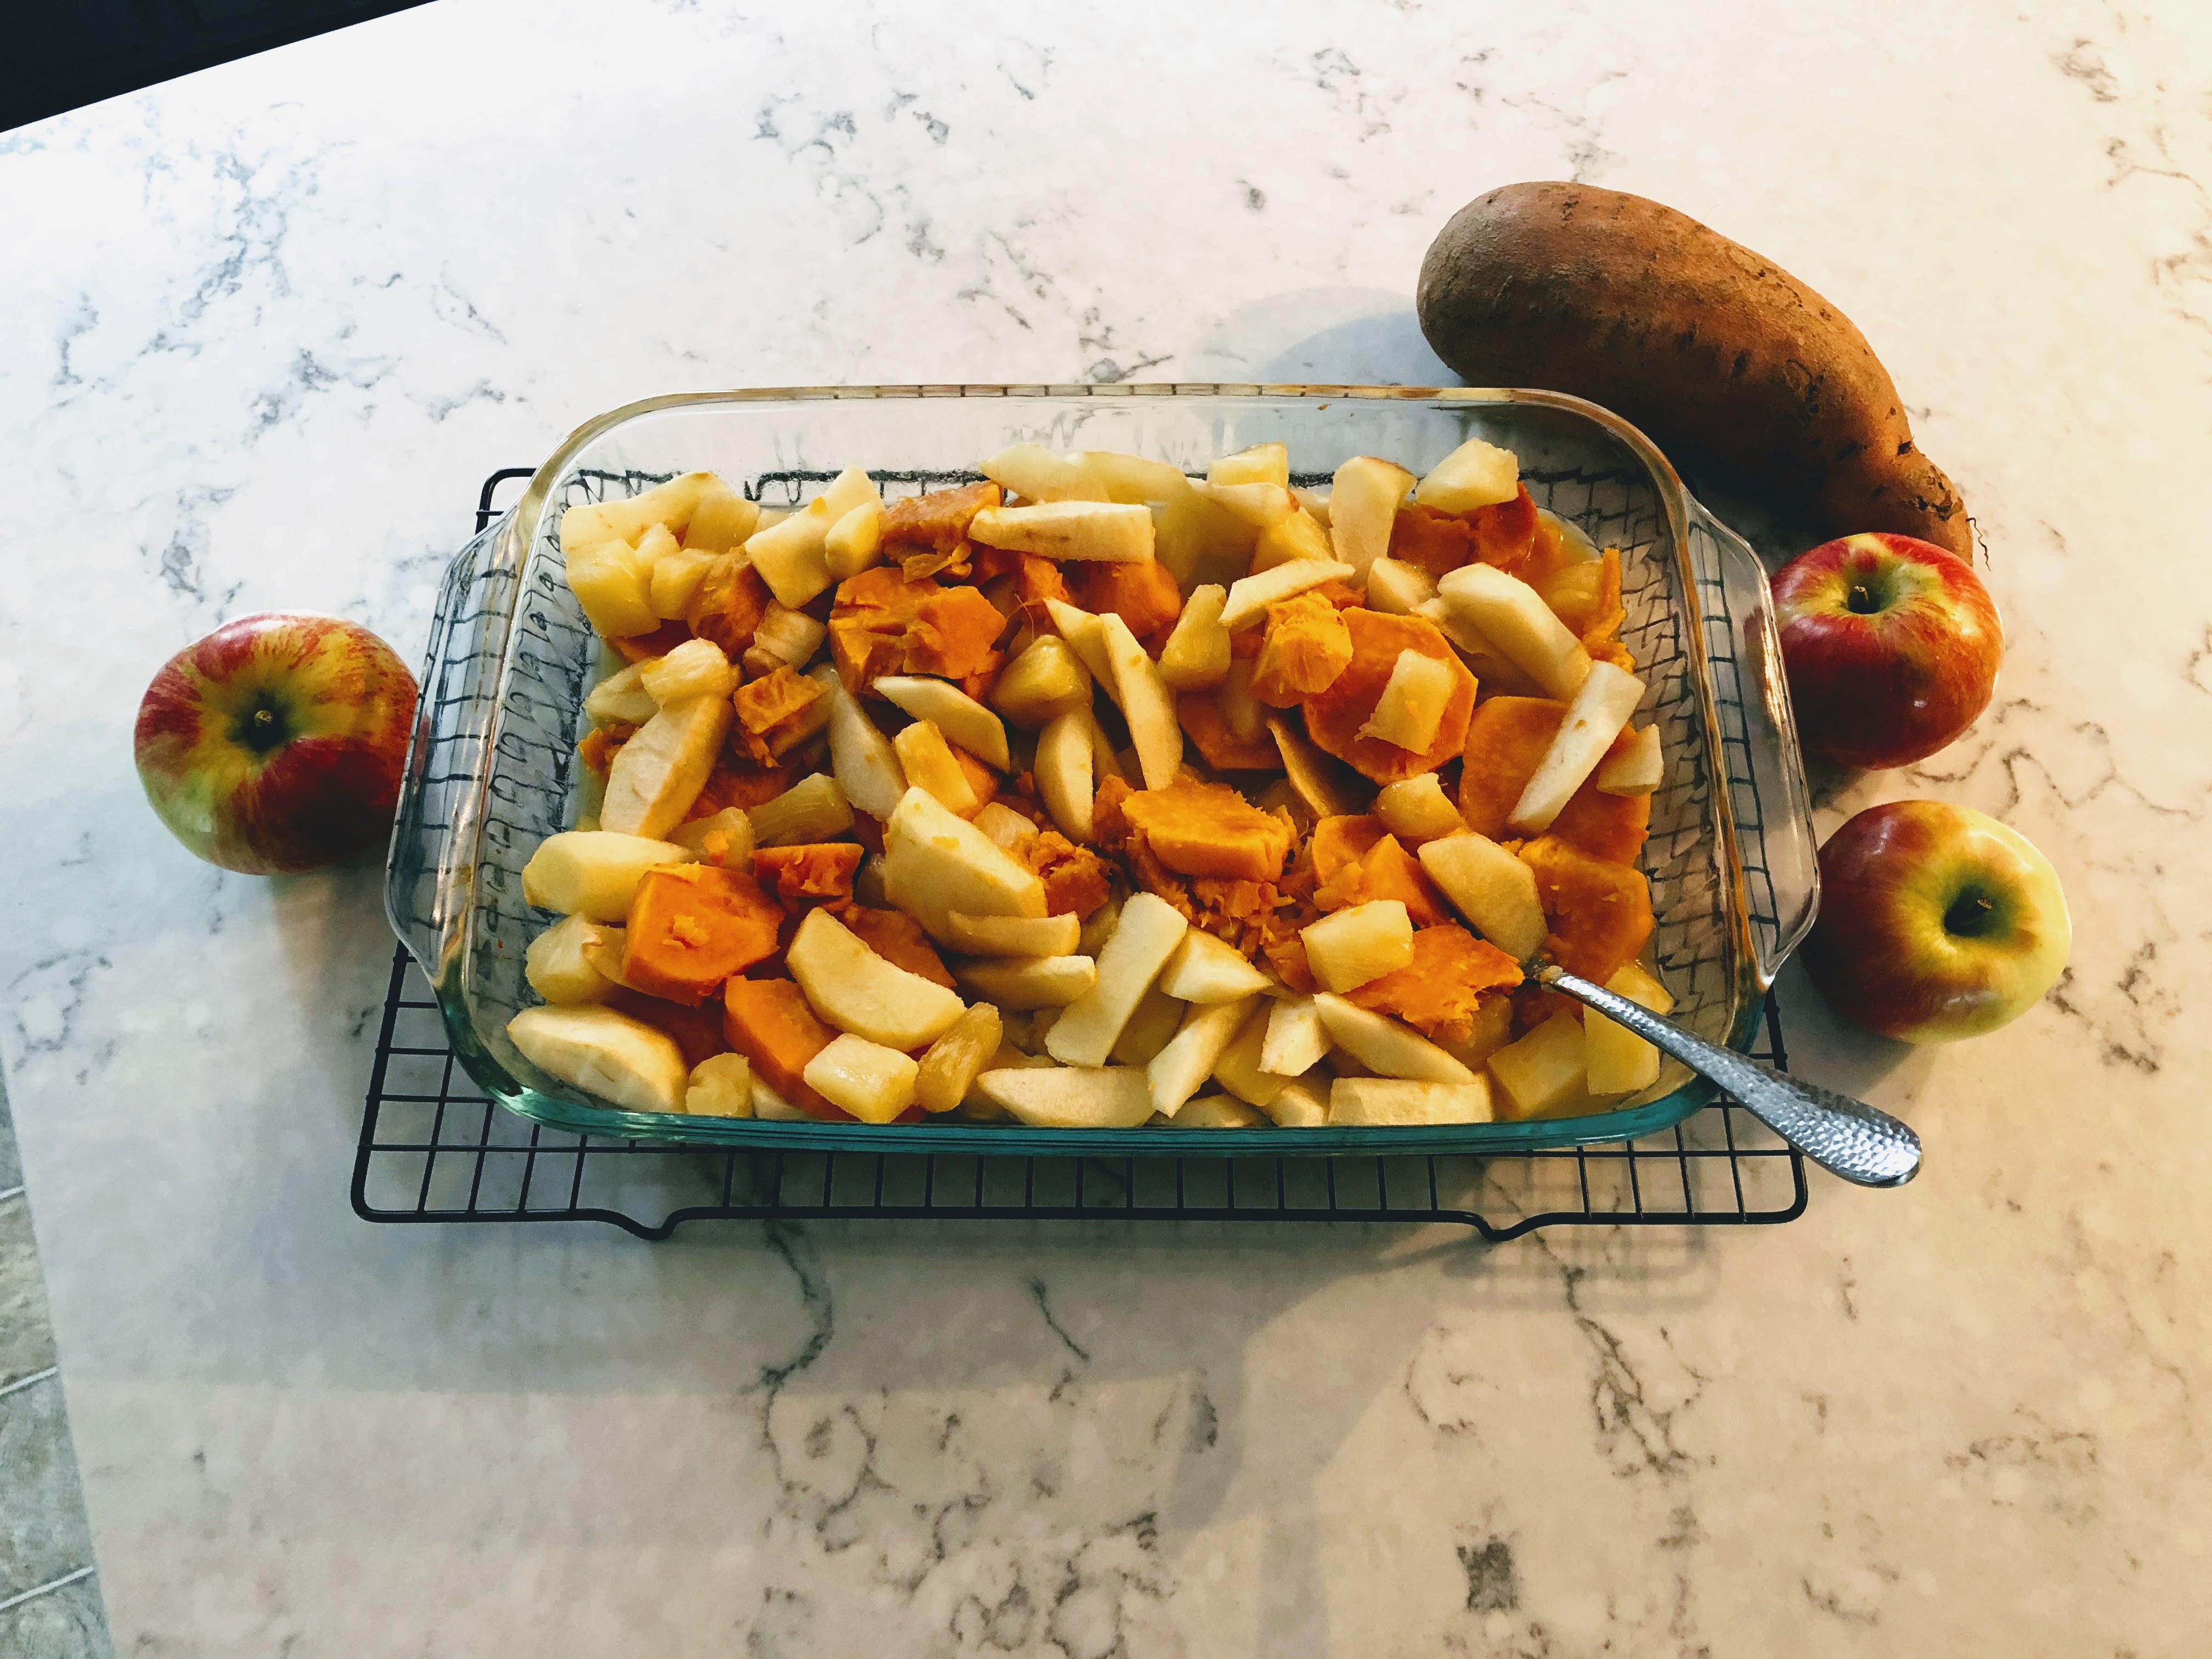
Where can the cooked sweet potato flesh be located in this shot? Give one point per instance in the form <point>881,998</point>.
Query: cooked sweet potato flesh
<point>729,605</point>
<point>692,926</point>
<point>954,633</point>
<point>1505,742</point>
<point>1077,881</point>
<point>938,519</point>
<point>739,781</point>
<point>1385,871</point>
<point>1304,650</point>
<point>1340,840</point>
<point>1142,593</point>
<point>696,1031</point>
<point>898,938</point>
<point>1439,990</point>
<point>641,647</point>
<point>1335,716</point>
<point>1599,913</point>
<point>769,1022</point>
<point>1197,828</point>
<point>1199,714</point>
<point>810,871</point>
<point>774,698</point>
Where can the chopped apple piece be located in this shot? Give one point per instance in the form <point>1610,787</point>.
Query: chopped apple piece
<point>1259,505</point>
<point>1239,1069</point>
<point>1490,665</point>
<point>772,1108</point>
<point>854,542</point>
<point>614,585</point>
<point>1322,783</point>
<point>873,1083</point>
<point>948,1069</point>
<point>1144,938</point>
<point>605,1054</point>
<point>558,969</point>
<point>1245,715</point>
<point>1132,477</point>
<point>1298,1104</point>
<point>1412,706</point>
<point>1157,1018</point>
<point>1512,618</point>
<point>622,698</point>
<point>1492,1030</point>
<point>1476,474</point>
<point>1084,633</point>
<point>1003,826</point>
<point>851,488</point>
<point>1068,530</point>
<point>784,639</point>
<point>1260,464</point>
<point>1013,936</point>
<point>1637,768</point>
<point>1361,942</point>
<point>1491,888</point>
<point>1018,983</point>
<point>1249,598</point>
<point>1616,1060</point>
<point>1072,1096</point>
<point>1034,471</point>
<point>791,555</point>
<point>1217,1112</point>
<point>1297,1041</point>
<point>935,863</point>
<point>1383,1045</point>
<point>1147,703</point>
<point>1363,506</point>
<point>1596,717</point>
<point>696,668</point>
<point>1205,970</point>
<point>720,1085</point>
<point>1046,680</point>
<point>1382,1100</point>
<point>865,765</point>
<point>720,520</point>
<point>813,809</point>
<point>725,837</point>
<point>1300,536</point>
<point>1177,1070</point>
<point>1315,502</point>
<point>594,873</point>
<point>1544,1069</point>
<point>604,948</point>
<point>655,776</point>
<point>1199,540</point>
<point>1399,589</point>
<point>672,504</point>
<point>1063,771</point>
<point>1197,652</point>
<point>1417,809</point>
<point>857,990</point>
<point>675,577</point>
<point>952,711</point>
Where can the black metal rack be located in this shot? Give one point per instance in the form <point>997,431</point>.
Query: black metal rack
<point>434,1149</point>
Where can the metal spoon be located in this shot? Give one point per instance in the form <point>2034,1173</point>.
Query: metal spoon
<point>1844,1136</point>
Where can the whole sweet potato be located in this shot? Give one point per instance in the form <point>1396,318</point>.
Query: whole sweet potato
<point>1707,346</point>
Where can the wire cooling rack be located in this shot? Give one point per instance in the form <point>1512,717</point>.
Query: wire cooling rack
<point>435,1149</point>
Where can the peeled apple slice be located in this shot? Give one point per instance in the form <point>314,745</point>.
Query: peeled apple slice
<point>605,1054</point>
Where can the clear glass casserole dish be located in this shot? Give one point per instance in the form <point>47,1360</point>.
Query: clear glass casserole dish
<point>492,769</point>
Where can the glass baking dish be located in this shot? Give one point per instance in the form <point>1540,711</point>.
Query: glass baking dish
<point>492,767</point>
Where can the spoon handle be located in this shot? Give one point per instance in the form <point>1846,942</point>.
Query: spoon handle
<point>1844,1136</point>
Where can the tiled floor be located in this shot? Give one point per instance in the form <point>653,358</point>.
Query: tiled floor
<point>50,1605</point>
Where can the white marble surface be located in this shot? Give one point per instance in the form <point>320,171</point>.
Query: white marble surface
<point>267,328</point>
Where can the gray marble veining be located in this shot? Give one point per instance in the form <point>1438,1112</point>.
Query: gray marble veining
<point>285,315</point>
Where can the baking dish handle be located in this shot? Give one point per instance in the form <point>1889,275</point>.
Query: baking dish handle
<point>428,876</point>
<point>1773,803</point>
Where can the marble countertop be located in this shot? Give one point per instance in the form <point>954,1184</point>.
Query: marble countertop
<point>269,327</point>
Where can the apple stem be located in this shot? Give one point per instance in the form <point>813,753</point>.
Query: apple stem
<point>1863,600</point>
<point>1969,914</point>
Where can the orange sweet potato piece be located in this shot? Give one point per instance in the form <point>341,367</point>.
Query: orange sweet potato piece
<point>1333,717</point>
<point>1144,595</point>
<point>692,926</point>
<point>596,751</point>
<point>1386,871</point>
<point>898,937</point>
<point>769,1022</point>
<point>740,782</point>
<point>938,519</point>
<point>696,1031</point>
<point>775,698</point>
<point>639,647</point>
<point>814,870</point>
<point>1609,827</point>
<point>1436,541</point>
<point>1438,992</point>
<point>1077,881</point>
<point>862,652</point>
<point>1306,647</point>
<point>1341,841</point>
<point>954,633</point>
<point>1198,828</point>
<point>1600,912</point>
<point>729,604</point>
<point>1036,580</point>
<point>1505,535</point>
<point>1505,740</point>
<point>1604,625</point>
<point>980,778</point>
<point>881,592</point>
<point>1199,714</point>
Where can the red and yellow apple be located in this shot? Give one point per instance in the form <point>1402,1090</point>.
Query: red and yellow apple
<point>1937,923</point>
<point>1891,645</point>
<point>276,744</point>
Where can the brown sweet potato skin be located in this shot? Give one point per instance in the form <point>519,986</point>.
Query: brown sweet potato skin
<point>1711,349</point>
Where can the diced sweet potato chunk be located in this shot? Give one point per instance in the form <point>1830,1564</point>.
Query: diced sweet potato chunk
<point>1198,828</point>
<point>1306,647</point>
<point>696,1031</point>
<point>1435,541</point>
<point>812,870</point>
<point>1335,716</point>
<point>898,938</point>
<point>769,1022</point>
<point>1340,840</point>
<point>882,593</point>
<point>739,782</point>
<point>1143,594</point>
<point>729,605</point>
<point>1439,541</point>
<point>954,633</point>
<point>862,653</point>
<point>1036,580</point>
<point>596,751</point>
<point>1600,913</point>
<point>1505,740</point>
<point>1439,990</point>
<point>1385,871</point>
<point>1610,827</point>
<point>692,926</point>
<point>1505,535</point>
<point>1603,626</point>
<point>774,698</point>
<point>1077,881</point>
<point>938,519</point>
<point>1199,714</point>
<point>642,648</point>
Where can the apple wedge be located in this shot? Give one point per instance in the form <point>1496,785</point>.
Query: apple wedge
<point>1177,1071</point>
<point>854,542</point>
<point>848,491</point>
<point>1492,667</point>
<point>605,1054</point>
<point>1599,712</point>
<point>813,809</point>
<point>1327,786</point>
<point>1616,1060</point>
<point>1144,936</point>
<point>1397,588</point>
<point>1512,618</point>
<point>1019,983</point>
<point>594,874</point>
<point>863,761</point>
<point>627,519</point>
<point>1147,703</point>
<point>677,573</point>
<point>1394,1101</point>
<point>725,837</point>
<point>1158,1018</point>
<point>857,990</point>
<point>1476,474</point>
<point>792,556</point>
<point>928,763</point>
<point>1417,809</point>
<point>1013,936</point>
<point>1132,477</point>
<point>1063,772</point>
<point>1259,504</point>
<point>1637,768</point>
<point>1297,1041</point>
<point>1543,1070</point>
<point>1298,1104</point>
<point>1070,1097</point>
<point>873,1083</point>
<point>935,863</point>
<point>1412,706</point>
<point>720,1085</point>
<point>1384,1046</point>
<point>613,582</point>
<point>1197,652</point>
<point>1490,887</point>
<point>1363,506</point>
<point>1207,969</point>
<point>1084,633</point>
<point>1115,532</point>
<point>696,668</point>
<point>1267,463</point>
<point>620,698</point>
<point>1349,947</point>
<point>1042,684</point>
<point>1300,536</point>
<point>1217,1112</point>
<point>959,716</point>
<point>948,1069</point>
<point>1006,827</point>
<point>1034,471</point>
<point>1249,599</point>
<point>557,967</point>
<point>1239,1068</point>
<point>721,520</point>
